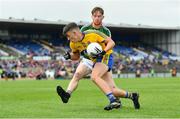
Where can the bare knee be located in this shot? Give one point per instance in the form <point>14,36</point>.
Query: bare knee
<point>94,78</point>
<point>77,76</point>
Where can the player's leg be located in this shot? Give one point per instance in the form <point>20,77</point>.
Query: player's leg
<point>111,83</point>
<point>120,92</point>
<point>80,72</point>
<point>116,91</point>
<point>97,72</point>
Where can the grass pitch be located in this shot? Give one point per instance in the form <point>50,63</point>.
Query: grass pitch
<point>159,98</point>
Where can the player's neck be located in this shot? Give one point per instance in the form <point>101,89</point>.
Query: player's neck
<point>97,26</point>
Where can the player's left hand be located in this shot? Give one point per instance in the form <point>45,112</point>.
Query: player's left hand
<point>67,56</point>
<point>101,54</point>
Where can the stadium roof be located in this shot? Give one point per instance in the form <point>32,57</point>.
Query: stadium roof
<point>12,23</point>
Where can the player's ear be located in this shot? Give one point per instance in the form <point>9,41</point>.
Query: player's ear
<point>103,17</point>
<point>92,16</point>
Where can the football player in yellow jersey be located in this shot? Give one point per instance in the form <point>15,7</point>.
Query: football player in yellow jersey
<point>101,74</point>
<point>85,66</point>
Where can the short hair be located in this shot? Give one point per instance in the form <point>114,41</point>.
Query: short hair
<point>97,9</point>
<point>69,27</point>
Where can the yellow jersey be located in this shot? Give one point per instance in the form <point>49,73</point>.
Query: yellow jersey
<point>90,36</point>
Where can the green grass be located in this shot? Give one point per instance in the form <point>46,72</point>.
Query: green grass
<point>159,97</point>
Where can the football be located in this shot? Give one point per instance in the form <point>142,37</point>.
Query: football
<point>93,49</point>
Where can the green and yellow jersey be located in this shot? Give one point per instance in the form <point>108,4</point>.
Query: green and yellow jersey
<point>102,29</point>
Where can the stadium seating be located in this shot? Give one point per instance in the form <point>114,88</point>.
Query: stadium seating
<point>129,52</point>
<point>27,46</point>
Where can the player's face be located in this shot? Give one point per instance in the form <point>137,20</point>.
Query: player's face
<point>72,36</point>
<point>97,18</point>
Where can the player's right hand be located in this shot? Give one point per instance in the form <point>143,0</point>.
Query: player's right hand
<point>100,55</point>
<point>67,56</point>
<point>84,54</point>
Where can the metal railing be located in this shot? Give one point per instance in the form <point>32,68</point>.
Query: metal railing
<point>144,75</point>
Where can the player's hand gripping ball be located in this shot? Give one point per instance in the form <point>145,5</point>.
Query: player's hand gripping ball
<point>94,49</point>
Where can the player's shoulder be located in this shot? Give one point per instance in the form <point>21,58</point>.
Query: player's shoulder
<point>107,30</point>
<point>95,32</point>
<point>85,27</point>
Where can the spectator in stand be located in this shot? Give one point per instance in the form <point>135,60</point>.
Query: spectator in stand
<point>174,72</point>
<point>1,71</point>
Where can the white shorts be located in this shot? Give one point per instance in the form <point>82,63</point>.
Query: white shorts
<point>87,62</point>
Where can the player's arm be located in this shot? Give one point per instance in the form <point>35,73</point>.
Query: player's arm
<point>109,44</point>
<point>108,33</point>
<point>74,55</point>
<point>102,38</point>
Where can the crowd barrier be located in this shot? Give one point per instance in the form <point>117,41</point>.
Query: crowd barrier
<point>144,75</point>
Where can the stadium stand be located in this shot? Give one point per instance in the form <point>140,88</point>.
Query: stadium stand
<point>37,50</point>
